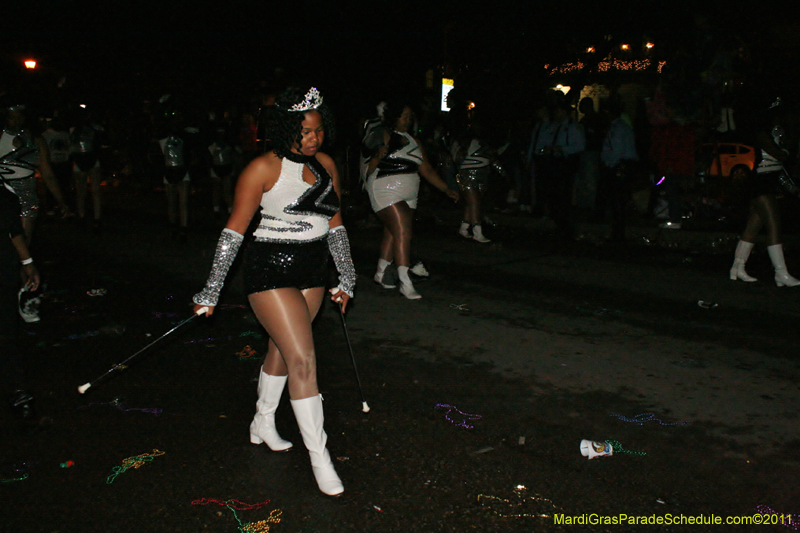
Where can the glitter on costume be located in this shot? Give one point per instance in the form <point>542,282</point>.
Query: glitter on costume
<point>261,526</point>
<point>792,521</point>
<point>519,506</point>
<point>647,417</point>
<point>464,416</point>
<point>617,445</point>
<point>256,335</point>
<point>132,462</point>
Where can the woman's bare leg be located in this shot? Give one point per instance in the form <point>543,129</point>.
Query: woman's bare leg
<point>387,245</point>
<point>80,192</point>
<point>767,208</point>
<point>398,220</point>
<point>472,206</point>
<point>753,225</point>
<point>183,198</point>
<point>287,314</point>
<point>95,179</point>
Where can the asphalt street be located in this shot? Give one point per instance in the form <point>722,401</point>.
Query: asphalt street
<point>480,392</point>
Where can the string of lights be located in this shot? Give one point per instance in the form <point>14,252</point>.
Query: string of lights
<point>624,65</point>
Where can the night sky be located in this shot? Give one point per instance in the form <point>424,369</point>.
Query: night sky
<point>356,49</point>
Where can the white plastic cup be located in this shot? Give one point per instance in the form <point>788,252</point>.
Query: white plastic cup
<point>593,448</point>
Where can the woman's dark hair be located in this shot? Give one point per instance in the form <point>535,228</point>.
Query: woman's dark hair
<point>284,126</point>
<point>393,110</point>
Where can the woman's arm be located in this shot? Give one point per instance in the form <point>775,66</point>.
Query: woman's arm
<point>48,176</point>
<point>765,142</point>
<point>32,275</point>
<point>379,154</point>
<point>432,177</point>
<point>256,179</point>
<point>339,243</point>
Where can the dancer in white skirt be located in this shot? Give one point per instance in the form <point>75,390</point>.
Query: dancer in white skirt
<point>393,175</point>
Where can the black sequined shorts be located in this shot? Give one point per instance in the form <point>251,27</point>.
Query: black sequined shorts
<point>84,162</point>
<point>270,265</point>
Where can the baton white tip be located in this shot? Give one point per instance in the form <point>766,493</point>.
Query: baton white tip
<point>84,387</point>
<point>365,407</point>
<point>201,311</point>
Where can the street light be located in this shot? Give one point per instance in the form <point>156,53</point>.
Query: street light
<point>30,64</point>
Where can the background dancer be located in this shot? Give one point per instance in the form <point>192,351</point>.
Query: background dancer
<point>85,148</point>
<point>286,266</point>
<point>13,251</point>
<point>762,184</point>
<point>474,159</point>
<point>393,185</point>
<point>21,155</point>
<point>176,180</point>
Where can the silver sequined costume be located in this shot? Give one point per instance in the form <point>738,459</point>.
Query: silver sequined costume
<point>476,166</point>
<point>395,179</point>
<point>18,165</point>
<point>293,242</point>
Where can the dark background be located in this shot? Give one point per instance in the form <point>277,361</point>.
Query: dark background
<point>115,52</point>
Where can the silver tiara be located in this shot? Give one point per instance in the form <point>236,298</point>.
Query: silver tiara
<point>312,101</point>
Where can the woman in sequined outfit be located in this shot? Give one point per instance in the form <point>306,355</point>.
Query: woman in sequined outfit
<point>21,156</point>
<point>474,160</point>
<point>285,266</point>
<point>392,184</point>
<point>764,182</point>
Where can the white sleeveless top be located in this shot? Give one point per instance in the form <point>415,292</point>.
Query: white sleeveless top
<point>17,163</point>
<point>295,211</point>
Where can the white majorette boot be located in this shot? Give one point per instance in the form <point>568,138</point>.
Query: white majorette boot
<point>740,258</point>
<point>308,412</point>
<point>782,277</point>
<point>406,287</point>
<point>477,234</point>
<point>464,230</point>
<point>419,270</point>
<point>379,273</point>
<point>262,429</point>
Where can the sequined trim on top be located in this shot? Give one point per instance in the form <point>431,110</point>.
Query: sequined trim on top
<point>404,157</point>
<point>17,162</point>
<point>293,210</point>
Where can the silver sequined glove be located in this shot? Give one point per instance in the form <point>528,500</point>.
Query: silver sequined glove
<point>339,245</point>
<point>227,248</point>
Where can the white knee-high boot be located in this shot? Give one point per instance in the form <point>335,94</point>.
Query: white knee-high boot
<point>782,277</point>
<point>477,234</point>
<point>740,258</point>
<point>308,412</point>
<point>262,429</point>
<point>406,287</point>
<point>379,273</point>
